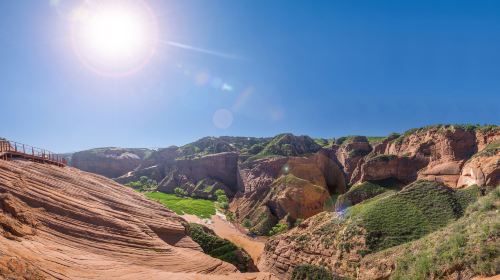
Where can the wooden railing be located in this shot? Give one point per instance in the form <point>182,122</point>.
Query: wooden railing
<point>11,149</point>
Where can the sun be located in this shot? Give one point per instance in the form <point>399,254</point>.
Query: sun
<point>114,37</point>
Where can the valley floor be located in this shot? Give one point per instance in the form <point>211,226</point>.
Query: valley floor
<point>227,230</point>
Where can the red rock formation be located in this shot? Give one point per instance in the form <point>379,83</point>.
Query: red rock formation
<point>403,169</point>
<point>351,152</point>
<point>279,187</point>
<point>481,170</point>
<point>436,153</point>
<point>67,224</point>
<point>314,242</point>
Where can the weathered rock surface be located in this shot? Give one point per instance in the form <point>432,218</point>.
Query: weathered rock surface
<point>292,187</point>
<point>481,170</point>
<point>315,241</point>
<point>381,167</point>
<point>437,153</point>
<point>221,167</point>
<point>67,224</point>
<point>350,152</point>
<point>109,162</point>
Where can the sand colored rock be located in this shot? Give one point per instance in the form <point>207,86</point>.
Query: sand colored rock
<point>481,171</point>
<point>67,224</point>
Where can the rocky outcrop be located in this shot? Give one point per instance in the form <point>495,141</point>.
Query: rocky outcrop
<point>382,167</point>
<point>365,242</point>
<point>68,224</point>
<point>436,153</point>
<point>291,187</point>
<point>322,240</point>
<point>482,169</point>
<point>288,144</point>
<point>198,174</point>
<point>109,162</point>
<point>350,151</point>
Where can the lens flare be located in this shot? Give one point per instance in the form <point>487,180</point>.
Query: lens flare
<point>223,118</point>
<point>114,38</point>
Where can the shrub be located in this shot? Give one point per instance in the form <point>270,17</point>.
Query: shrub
<point>144,184</point>
<point>247,223</point>
<point>180,192</point>
<point>219,248</point>
<point>222,199</point>
<point>311,272</point>
<point>278,228</point>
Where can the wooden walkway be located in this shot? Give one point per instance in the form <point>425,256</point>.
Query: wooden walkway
<point>12,150</point>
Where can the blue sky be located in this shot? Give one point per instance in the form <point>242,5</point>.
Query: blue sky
<point>322,68</point>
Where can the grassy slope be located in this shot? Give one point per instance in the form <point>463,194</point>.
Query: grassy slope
<point>184,205</point>
<point>418,209</point>
<point>360,192</point>
<point>471,245</point>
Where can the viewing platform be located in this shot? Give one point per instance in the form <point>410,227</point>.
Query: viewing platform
<point>12,150</point>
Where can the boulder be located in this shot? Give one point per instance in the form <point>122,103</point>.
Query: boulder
<point>481,170</point>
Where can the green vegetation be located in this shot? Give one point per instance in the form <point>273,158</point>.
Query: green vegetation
<point>381,157</point>
<point>359,193</point>
<point>375,139</point>
<point>180,192</point>
<point>349,139</point>
<point>184,205</point>
<point>278,228</point>
<point>143,185</point>
<point>470,244</point>
<point>222,199</point>
<point>288,145</point>
<point>219,248</point>
<point>311,272</point>
<point>490,150</point>
<point>447,127</point>
<point>214,145</point>
<point>247,223</point>
<point>324,142</point>
<point>418,209</point>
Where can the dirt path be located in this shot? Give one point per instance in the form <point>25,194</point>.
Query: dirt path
<point>225,229</point>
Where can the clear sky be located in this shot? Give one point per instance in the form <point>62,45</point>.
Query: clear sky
<point>253,68</point>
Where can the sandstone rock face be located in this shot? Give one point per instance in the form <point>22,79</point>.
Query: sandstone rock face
<point>200,176</point>
<point>382,167</point>
<point>314,242</point>
<point>109,162</point>
<point>292,187</point>
<point>351,152</point>
<point>220,168</point>
<point>481,170</point>
<point>437,154</point>
<point>67,224</point>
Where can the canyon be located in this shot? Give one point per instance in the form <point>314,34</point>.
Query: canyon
<point>350,206</point>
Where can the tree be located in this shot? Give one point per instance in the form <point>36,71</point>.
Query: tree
<point>180,192</point>
<point>222,199</point>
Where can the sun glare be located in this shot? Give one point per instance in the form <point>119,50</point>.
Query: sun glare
<point>114,37</point>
